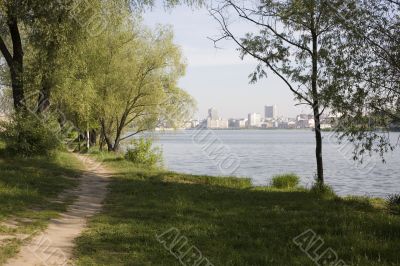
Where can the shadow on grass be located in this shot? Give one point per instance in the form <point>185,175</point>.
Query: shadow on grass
<point>230,223</point>
<point>30,182</point>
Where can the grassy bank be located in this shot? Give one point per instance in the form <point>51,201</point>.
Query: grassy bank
<point>230,222</point>
<point>28,188</point>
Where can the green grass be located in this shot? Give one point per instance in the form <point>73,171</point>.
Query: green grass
<point>28,188</point>
<point>285,181</point>
<point>230,222</point>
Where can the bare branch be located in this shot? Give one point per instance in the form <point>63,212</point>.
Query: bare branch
<point>222,22</point>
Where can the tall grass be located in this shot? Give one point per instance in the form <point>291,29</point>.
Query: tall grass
<point>286,181</point>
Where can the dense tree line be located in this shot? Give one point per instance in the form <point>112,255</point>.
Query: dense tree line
<point>92,64</point>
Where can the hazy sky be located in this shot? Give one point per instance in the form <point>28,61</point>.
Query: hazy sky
<point>218,77</point>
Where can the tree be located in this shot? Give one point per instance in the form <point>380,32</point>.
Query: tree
<point>10,15</point>
<point>126,78</point>
<point>140,74</point>
<point>46,26</point>
<point>368,79</point>
<point>292,39</point>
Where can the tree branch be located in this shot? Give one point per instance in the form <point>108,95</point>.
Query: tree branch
<point>243,15</point>
<point>6,53</point>
<point>224,26</point>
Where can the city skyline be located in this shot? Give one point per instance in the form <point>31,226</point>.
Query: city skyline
<point>214,114</point>
<point>254,120</point>
<point>218,77</point>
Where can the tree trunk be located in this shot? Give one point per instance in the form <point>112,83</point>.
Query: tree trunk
<point>107,139</point>
<point>87,138</point>
<point>316,111</point>
<point>318,150</point>
<point>15,63</point>
<point>18,86</point>
<point>93,137</point>
<point>110,147</point>
<point>116,144</point>
<point>79,142</point>
<point>101,140</point>
<point>120,129</point>
<point>17,70</point>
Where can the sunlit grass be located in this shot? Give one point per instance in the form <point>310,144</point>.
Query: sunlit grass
<point>230,222</point>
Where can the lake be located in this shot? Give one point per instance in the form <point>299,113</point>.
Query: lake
<point>261,154</point>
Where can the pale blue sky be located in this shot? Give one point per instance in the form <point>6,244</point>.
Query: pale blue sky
<point>218,77</point>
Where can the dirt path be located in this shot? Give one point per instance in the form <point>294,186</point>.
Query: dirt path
<point>54,246</point>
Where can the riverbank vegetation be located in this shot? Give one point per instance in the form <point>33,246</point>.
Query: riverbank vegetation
<point>230,221</point>
<point>99,72</point>
<point>29,190</point>
<point>88,72</point>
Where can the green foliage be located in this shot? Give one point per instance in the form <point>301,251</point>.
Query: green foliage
<point>323,191</point>
<point>126,77</point>
<point>393,203</point>
<point>285,181</point>
<point>143,153</point>
<point>27,135</point>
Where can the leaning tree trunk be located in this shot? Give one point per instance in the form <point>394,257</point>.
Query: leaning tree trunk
<point>107,139</point>
<point>120,129</point>
<point>15,63</point>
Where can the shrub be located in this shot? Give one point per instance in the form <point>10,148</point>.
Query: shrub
<point>393,203</point>
<point>285,181</point>
<point>143,153</point>
<point>323,191</point>
<point>27,135</point>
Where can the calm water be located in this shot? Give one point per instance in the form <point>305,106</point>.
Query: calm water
<point>261,154</point>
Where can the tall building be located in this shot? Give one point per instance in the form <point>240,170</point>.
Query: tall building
<point>214,121</point>
<point>213,114</point>
<point>271,112</point>
<point>254,120</point>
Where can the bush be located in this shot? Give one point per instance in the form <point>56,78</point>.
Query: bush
<point>323,191</point>
<point>26,135</point>
<point>285,181</point>
<point>142,153</point>
<point>393,203</point>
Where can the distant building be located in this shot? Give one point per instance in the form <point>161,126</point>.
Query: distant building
<point>192,124</point>
<point>254,120</point>
<point>270,112</point>
<point>214,121</point>
<point>283,125</point>
<point>267,124</point>
<point>232,123</point>
<point>213,114</point>
<point>305,121</point>
<point>237,123</point>
<point>217,124</point>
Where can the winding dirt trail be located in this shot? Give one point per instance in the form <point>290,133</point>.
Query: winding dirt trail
<point>54,245</point>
